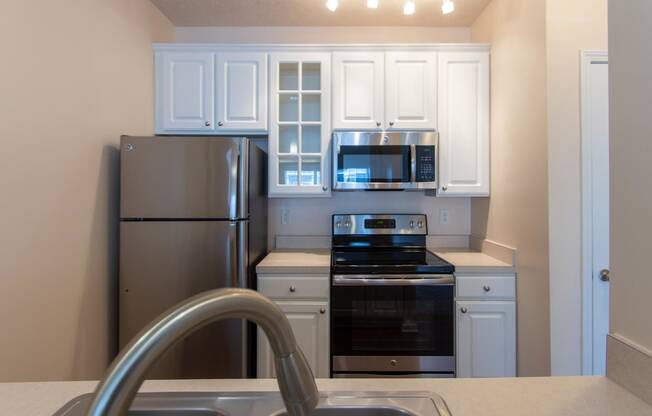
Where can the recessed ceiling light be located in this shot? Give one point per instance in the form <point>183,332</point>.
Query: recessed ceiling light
<point>409,7</point>
<point>447,6</point>
<point>372,4</point>
<point>332,5</point>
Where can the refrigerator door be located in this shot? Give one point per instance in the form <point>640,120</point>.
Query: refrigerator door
<point>165,262</point>
<point>183,177</point>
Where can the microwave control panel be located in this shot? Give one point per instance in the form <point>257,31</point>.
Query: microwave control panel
<point>425,163</point>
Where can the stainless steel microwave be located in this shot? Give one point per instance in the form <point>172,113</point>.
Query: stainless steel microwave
<point>385,161</point>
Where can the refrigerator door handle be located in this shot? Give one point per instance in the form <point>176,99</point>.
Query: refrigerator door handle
<point>233,265</point>
<point>242,236</point>
<point>243,254</point>
<point>243,179</point>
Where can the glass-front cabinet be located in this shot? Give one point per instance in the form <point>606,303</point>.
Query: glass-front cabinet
<point>300,126</point>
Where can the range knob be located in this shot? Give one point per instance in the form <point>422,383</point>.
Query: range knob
<point>347,224</point>
<point>338,224</point>
<point>420,224</point>
<point>411,224</point>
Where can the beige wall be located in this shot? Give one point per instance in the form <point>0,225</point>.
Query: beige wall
<point>630,60</point>
<point>326,34</point>
<point>517,212</point>
<point>74,76</point>
<point>572,26</point>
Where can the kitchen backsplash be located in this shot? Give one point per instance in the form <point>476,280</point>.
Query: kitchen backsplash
<point>447,217</point>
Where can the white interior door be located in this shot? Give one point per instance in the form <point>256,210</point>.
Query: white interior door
<point>595,195</point>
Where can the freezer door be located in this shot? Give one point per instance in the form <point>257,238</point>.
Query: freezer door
<point>182,177</point>
<point>164,263</point>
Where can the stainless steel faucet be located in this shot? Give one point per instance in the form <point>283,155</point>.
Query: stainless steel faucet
<point>115,393</point>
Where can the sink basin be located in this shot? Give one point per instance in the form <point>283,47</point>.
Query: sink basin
<point>271,404</point>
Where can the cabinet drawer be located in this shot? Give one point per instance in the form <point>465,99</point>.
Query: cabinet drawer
<point>485,287</point>
<point>294,287</point>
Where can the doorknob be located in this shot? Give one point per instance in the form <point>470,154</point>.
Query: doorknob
<point>604,275</point>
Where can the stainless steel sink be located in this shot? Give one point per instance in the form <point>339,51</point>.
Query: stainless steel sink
<point>271,404</point>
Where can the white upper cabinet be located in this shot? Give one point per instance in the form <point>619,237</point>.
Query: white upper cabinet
<point>201,92</point>
<point>410,94</point>
<point>241,91</point>
<point>358,94</point>
<point>463,122</point>
<point>300,124</point>
<point>185,93</point>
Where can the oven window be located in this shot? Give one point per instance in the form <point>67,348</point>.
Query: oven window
<point>373,164</point>
<point>391,320</point>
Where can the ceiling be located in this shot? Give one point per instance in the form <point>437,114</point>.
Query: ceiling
<point>315,13</point>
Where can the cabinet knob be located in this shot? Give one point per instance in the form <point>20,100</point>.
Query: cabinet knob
<point>322,311</point>
<point>378,123</point>
<point>324,188</point>
<point>486,288</point>
<point>444,188</point>
<point>393,363</point>
<point>207,123</point>
<point>220,123</point>
<point>391,123</point>
<point>293,289</point>
<point>464,310</point>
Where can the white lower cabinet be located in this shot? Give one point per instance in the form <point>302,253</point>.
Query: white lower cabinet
<point>486,326</point>
<point>309,321</point>
<point>304,299</point>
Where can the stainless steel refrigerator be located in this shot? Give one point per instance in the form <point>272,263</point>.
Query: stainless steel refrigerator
<point>193,218</point>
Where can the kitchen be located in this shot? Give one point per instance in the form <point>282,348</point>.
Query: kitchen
<point>488,213</point>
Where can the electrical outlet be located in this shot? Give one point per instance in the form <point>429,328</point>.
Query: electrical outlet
<point>285,216</point>
<point>444,216</point>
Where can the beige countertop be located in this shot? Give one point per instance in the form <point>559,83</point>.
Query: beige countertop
<point>296,261</point>
<point>544,396</point>
<point>469,261</point>
<point>318,261</point>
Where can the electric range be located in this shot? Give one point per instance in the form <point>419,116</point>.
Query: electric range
<point>392,301</point>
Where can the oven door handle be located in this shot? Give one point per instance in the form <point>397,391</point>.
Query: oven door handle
<point>375,280</point>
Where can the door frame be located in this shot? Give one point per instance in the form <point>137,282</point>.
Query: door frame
<point>587,58</point>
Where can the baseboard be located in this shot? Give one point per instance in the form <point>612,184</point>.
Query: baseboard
<point>630,365</point>
<point>499,251</point>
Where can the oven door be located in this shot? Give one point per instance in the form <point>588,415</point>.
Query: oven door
<point>392,326</point>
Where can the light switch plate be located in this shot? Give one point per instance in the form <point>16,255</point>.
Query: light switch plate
<point>285,216</point>
<point>444,216</point>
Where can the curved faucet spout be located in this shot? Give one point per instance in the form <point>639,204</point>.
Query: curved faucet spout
<point>115,393</point>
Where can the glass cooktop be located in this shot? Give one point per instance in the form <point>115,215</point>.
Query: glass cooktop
<point>388,261</point>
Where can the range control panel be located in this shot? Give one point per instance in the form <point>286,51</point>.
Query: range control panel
<point>369,224</point>
<point>425,163</point>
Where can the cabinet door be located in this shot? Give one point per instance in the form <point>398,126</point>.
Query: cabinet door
<point>241,91</point>
<point>309,321</point>
<point>486,339</point>
<point>358,90</point>
<point>185,92</point>
<point>300,125</point>
<point>463,121</point>
<point>410,90</point>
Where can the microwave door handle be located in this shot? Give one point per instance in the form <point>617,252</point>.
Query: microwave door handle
<point>413,163</point>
